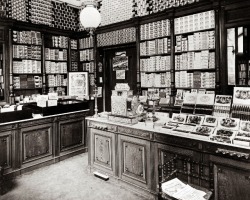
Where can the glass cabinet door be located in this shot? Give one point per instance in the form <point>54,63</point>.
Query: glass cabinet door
<point>2,71</point>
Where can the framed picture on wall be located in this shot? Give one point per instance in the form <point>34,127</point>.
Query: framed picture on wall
<point>78,84</point>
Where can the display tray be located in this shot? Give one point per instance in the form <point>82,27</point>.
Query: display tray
<point>63,106</point>
<point>15,115</point>
<point>123,119</point>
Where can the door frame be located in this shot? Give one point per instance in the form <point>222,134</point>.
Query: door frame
<point>105,65</point>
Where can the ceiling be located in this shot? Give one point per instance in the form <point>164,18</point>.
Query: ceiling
<point>77,3</point>
<point>73,2</point>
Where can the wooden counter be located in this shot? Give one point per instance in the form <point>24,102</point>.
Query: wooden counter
<point>131,154</point>
<point>28,144</point>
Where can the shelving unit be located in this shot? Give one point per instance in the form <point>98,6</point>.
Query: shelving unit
<point>243,72</point>
<point>195,51</point>
<point>86,57</point>
<point>74,58</point>
<point>26,62</point>
<point>155,52</point>
<point>56,63</point>
<point>1,74</point>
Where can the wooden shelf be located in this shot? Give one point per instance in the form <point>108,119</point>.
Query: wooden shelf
<point>152,55</point>
<point>20,59</point>
<point>156,72</point>
<point>144,40</point>
<point>54,73</point>
<point>156,87</point>
<point>198,50</point>
<point>25,44</point>
<point>191,70</point>
<point>56,86</point>
<point>57,60</point>
<point>86,61</point>
<point>86,48</point>
<point>35,74</point>
<point>188,88</point>
<point>192,32</point>
<point>56,48</point>
<point>27,88</point>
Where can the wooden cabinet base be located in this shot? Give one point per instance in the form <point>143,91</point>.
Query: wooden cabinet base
<point>29,145</point>
<point>133,154</point>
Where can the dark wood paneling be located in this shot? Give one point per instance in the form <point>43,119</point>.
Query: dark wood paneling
<point>232,184</point>
<point>5,151</point>
<point>36,142</point>
<point>238,15</point>
<point>71,133</point>
<point>1,35</point>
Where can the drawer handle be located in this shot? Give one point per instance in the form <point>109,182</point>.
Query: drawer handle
<point>232,153</point>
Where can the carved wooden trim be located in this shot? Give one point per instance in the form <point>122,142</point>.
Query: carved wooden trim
<point>180,141</point>
<point>70,116</point>
<point>135,132</point>
<point>232,153</point>
<point>8,127</point>
<point>175,150</point>
<point>103,126</point>
<point>36,122</point>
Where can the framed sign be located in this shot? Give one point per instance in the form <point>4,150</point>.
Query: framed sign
<point>78,84</point>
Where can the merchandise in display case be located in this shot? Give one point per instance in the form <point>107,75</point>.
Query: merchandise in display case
<point>204,104</point>
<point>155,51</point>
<point>242,138</point>
<point>241,107</point>
<point>56,65</point>
<point>226,130</point>
<point>195,51</point>
<point>26,62</point>
<point>222,105</point>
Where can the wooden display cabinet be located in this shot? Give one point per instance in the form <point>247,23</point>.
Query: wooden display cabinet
<point>38,142</point>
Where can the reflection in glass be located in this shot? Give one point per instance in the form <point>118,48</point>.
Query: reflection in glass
<point>1,73</point>
<point>231,55</point>
<point>240,39</point>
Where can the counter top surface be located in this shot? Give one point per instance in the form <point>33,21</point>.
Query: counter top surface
<point>45,117</point>
<point>158,129</point>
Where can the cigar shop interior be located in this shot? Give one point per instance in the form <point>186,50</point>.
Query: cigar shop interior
<point>172,123</point>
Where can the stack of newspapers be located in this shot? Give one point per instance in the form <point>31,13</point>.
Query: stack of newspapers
<point>181,191</point>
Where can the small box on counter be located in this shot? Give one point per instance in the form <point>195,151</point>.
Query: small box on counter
<point>53,96</point>
<point>42,100</point>
<point>51,102</point>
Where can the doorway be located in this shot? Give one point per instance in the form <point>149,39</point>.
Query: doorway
<point>120,67</point>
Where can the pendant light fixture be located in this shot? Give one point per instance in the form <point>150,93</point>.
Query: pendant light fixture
<point>90,18</point>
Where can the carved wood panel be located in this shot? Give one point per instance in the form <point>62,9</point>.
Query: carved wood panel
<point>102,154</point>
<point>36,142</point>
<point>1,34</point>
<point>71,133</point>
<point>232,184</point>
<point>102,148</point>
<point>5,151</point>
<point>134,160</point>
